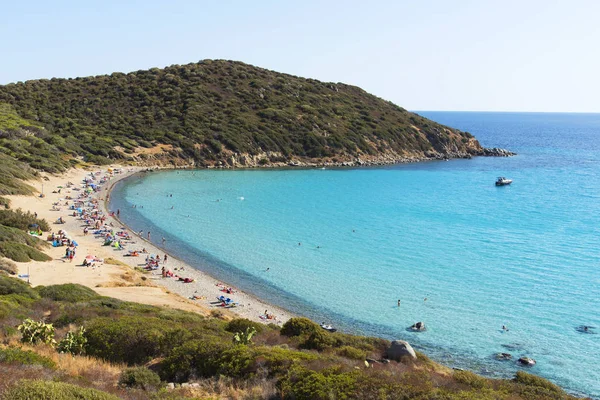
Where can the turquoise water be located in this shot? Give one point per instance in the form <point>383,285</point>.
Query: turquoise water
<point>525,256</point>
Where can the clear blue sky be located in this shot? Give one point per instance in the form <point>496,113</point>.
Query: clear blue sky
<point>507,55</point>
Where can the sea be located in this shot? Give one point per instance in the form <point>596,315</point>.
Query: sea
<point>346,245</point>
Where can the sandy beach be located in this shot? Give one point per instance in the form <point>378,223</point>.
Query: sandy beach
<point>117,276</point>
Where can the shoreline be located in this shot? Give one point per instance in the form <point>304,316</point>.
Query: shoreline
<point>123,281</point>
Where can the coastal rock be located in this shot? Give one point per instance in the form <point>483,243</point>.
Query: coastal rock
<point>526,361</point>
<point>400,349</point>
<point>170,386</point>
<point>418,327</point>
<point>497,152</point>
<point>503,356</point>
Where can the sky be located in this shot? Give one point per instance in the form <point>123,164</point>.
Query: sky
<point>450,55</point>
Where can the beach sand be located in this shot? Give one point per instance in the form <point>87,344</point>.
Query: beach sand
<point>116,277</point>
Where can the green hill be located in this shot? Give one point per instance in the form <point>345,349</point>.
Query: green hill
<point>212,113</point>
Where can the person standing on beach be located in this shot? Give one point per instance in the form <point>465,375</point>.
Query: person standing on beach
<point>165,259</point>
<point>148,235</point>
<point>118,212</point>
<point>163,240</point>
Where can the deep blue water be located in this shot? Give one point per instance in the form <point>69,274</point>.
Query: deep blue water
<point>525,256</point>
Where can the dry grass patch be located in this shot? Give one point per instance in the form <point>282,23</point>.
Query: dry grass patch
<point>114,261</point>
<point>8,266</point>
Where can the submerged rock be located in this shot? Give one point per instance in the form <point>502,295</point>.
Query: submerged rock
<point>400,349</point>
<point>503,356</point>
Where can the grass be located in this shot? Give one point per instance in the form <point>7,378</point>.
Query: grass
<point>16,355</point>
<point>27,389</point>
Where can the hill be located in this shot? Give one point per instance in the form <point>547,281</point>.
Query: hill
<point>213,113</point>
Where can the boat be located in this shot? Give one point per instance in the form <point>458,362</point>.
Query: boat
<point>502,181</point>
<point>328,327</point>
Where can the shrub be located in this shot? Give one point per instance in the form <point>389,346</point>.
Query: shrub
<point>351,352</point>
<point>139,378</point>
<point>4,202</point>
<point>527,379</point>
<point>278,360</point>
<point>303,384</point>
<point>194,358</point>
<point>16,286</point>
<point>73,343</point>
<point>21,252</point>
<point>13,355</point>
<point>7,265</point>
<point>471,379</point>
<point>69,292</point>
<point>241,324</point>
<point>318,340</point>
<point>27,389</point>
<point>36,332</point>
<point>299,326</point>
<point>22,220</point>
<point>132,340</point>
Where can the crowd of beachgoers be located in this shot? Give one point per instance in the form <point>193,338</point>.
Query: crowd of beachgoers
<point>82,203</point>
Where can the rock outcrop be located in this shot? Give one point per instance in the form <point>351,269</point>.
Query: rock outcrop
<point>400,349</point>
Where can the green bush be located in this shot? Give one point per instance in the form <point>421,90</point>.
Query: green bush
<point>22,220</point>
<point>469,378</point>
<point>278,360</point>
<point>527,379</point>
<point>299,326</point>
<point>319,340</point>
<point>26,389</point>
<point>351,352</point>
<point>304,384</point>
<point>14,355</point>
<point>12,307</point>
<point>21,253</point>
<point>8,266</point>
<point>139,378</point>
<point>4,202</point>
<point>69,292</point>
<point>194,358</point>
<point>131,340</point>
<point>16,286</point>
<point>241,324</point>
<point>10,234</point>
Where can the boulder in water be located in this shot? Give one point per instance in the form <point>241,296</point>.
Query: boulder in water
<point>400,349</point>
<point>418,327</point>
<point>526,361</point>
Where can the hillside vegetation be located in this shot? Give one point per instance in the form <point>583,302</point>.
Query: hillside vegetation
<point>131,351</point>
<point>208,113</point>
